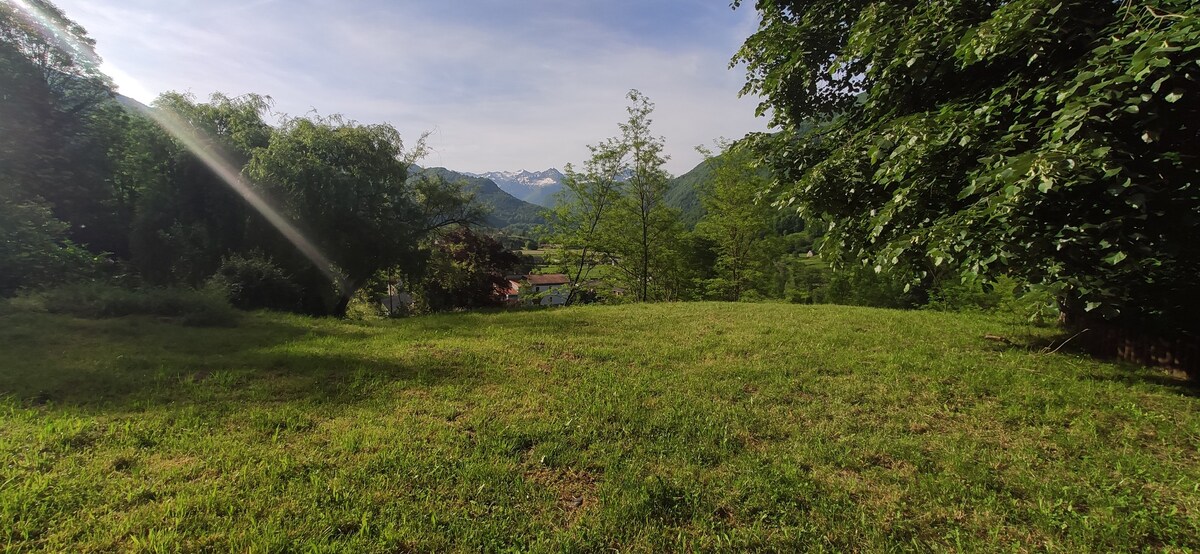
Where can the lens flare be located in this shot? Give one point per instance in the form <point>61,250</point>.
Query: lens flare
<point>192,139</point>
<point>227,172</point>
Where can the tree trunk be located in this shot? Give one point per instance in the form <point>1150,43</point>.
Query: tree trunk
<point>350,287</point>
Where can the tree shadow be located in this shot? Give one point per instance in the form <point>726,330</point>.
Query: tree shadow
<point>1113,370</point>
<point>138,362</point>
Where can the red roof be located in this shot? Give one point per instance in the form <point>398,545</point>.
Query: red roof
<point>553,279</point>
<point>513,289</point>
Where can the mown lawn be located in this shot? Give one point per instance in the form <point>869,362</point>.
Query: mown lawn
<point>642,428</point>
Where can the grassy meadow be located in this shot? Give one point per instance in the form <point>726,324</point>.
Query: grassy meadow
<point>701,427</point>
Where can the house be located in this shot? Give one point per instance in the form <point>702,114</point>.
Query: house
<point>511,294</point>
<point>552,290</point>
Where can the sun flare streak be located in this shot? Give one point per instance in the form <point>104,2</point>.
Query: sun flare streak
<point>196,143</point>
<point>233,178</point>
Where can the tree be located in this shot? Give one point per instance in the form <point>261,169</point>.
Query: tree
<point>1051,140</point>
<point>34,249</point>
<point>465,270</point>
<point>642,228</point>
<point>736,218</point>
<point>345,185</point>
<point>614,212</point>
<point>581,208</point>
<point>188,219</point>
<point>57,118</point>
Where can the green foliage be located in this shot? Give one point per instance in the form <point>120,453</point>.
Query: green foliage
<point>863,286</point>
<point>1005,296</point>
<point>254,282</point>
<point>57,120</point>
<point>465,270</point>
<point>737,220</point>
<point>206,307</point>
<point>187,218</point>
<point>34,250</point>
<point>614,213</point>
<point>578,221</point>
<point>643,230</point>
<point>346,186</point>
<point>1049,140</point>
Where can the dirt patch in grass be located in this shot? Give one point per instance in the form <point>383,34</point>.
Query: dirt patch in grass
<point>575,488</point>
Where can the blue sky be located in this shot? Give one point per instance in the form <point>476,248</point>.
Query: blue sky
<point>503,85</point>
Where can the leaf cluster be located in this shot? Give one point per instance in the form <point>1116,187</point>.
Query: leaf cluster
<point>1050,140</point>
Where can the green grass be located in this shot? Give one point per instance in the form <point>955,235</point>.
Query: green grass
<point>642,428</point>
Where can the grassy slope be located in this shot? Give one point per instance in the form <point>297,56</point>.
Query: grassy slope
<point>703,426</point>
<point>683,193</point>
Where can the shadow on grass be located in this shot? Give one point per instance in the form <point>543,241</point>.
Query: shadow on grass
<point>116,364</point>
<point>1114,370</point>
<point>1131,374</point>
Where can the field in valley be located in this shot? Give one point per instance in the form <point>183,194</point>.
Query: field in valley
<point>698,426</point>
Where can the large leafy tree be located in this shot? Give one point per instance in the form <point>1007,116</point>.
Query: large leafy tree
<point>1055,140</point>
<point>344,184</point>
<point>57,118</point>
<point>187,216</point>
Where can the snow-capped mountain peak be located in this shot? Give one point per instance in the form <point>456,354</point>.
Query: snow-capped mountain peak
<point>538,187</point>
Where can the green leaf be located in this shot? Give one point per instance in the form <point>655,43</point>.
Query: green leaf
<point>1116,258</point>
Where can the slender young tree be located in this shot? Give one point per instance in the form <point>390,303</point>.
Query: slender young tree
<point>736,218</point>
<point>643,228</point>
<point>586,200</point>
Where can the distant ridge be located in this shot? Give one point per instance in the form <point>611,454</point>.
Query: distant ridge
<point>537,187</point>
<point>504,209</point>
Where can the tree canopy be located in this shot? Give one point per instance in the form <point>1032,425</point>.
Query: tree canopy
<point>1052,140</point>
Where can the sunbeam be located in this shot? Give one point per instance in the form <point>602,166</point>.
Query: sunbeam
<point>192,139</point>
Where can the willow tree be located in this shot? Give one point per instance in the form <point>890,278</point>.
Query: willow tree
<point>1054,140</point>
<point>345,186</point>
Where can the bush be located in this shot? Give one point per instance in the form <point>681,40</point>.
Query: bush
<point>34,250</point>
<point>201,308</point>
<point>254,282</point>
<point>862,286</point>
<point>1006,296</point>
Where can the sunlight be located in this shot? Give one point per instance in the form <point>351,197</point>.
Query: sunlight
<point>191,139</point>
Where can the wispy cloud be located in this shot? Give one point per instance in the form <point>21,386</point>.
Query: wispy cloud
<point>502,87</point>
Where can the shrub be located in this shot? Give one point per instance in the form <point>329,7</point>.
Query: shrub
<point>254,282</point>
<point>35,251</point>
<point>862,286</point>
<point>1005,296</point>
<point>201,308</point>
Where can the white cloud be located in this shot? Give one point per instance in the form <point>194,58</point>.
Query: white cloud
<point>497,97</point>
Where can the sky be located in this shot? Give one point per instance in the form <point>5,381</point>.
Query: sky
<point>502,85</point>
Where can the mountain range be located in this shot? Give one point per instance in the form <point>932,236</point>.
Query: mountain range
<point>504,210</point>
<point>542,188</point>
<point>535,187</point>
